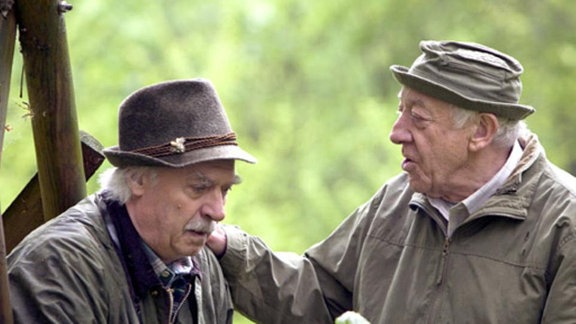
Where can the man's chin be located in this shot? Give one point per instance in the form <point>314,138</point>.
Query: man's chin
<point>416,185</point>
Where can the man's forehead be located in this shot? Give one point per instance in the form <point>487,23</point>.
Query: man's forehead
<point>209,170</point>
<point>413,97</point>
<point>211,166</point>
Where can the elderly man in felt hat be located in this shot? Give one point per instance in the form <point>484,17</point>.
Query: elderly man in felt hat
<point>479,228</point>
<point>135,251</point>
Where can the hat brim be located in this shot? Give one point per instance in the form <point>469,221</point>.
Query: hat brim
<point>438,91</point>
<point>121,158</point>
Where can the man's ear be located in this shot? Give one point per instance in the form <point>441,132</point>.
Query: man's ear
<point>136,180</point>
<point>485,131</point>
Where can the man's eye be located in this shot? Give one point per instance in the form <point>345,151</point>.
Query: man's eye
<point>418,118</point>
<point>200,188</point>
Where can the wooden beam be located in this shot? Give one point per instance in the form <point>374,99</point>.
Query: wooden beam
<point>25,213</point>
<point>51,101</point>
<point>7,41</point>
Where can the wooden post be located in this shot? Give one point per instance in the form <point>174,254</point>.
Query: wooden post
<point>51,102</point>
<point>7,40</point>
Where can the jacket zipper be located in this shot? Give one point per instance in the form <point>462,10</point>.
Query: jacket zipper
<point>440,276</point>
<point>171,295</point>
<point>441,273</point>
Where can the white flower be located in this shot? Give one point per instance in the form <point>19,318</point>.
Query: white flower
<point>351,317</point>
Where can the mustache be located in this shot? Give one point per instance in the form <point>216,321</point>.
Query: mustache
<point>201,225</point>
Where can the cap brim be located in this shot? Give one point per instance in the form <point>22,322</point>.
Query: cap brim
<point>121,158</point>
<point>438,91</point>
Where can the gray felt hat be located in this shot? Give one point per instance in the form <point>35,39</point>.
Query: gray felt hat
<point>468,75</point>
<point>175,124</point>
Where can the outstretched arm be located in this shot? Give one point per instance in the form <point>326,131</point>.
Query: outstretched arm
<point>271,287</point>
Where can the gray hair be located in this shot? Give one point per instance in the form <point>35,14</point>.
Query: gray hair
<point>508,130</point>
<point>116,180</point>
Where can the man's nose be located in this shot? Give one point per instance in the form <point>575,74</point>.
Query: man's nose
<point>399,133</point>
<point>213,206</point>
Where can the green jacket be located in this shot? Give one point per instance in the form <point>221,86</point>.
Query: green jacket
<point>70,271</point>
<point>391,260</point>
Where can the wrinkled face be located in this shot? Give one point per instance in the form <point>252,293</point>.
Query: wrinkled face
<point>435,152</point>
<point>175,210</point>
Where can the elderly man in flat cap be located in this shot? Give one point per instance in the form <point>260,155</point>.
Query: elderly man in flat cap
<point>479,228</point>
<point>135,251</point>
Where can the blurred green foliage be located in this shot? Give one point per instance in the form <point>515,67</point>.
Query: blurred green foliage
<point>306,85</point>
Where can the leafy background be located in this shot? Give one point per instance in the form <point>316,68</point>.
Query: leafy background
<point>306,85</point>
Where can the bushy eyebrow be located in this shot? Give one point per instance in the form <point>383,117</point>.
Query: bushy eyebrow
<point>414,102</point>
<point>199,176</point>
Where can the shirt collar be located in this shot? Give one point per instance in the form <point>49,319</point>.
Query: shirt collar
<point>168,272</point>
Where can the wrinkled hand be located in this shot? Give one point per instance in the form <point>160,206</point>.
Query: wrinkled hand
<point>217,241</point>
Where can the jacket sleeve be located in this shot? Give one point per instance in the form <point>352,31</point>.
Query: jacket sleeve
<point>271,287</point>
<point>560,304</point>
<point>281,287</point>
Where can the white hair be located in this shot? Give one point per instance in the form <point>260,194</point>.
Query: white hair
<point>116,180</point>
<point>508,130</point>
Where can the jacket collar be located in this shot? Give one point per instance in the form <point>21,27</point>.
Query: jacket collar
<point>531,151</point>
<point>140,272</point>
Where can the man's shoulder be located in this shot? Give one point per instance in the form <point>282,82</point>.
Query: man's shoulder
<point>563,179</point>
<point>76,233</point>
<point>553,182</point>
<point>207,261</point>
